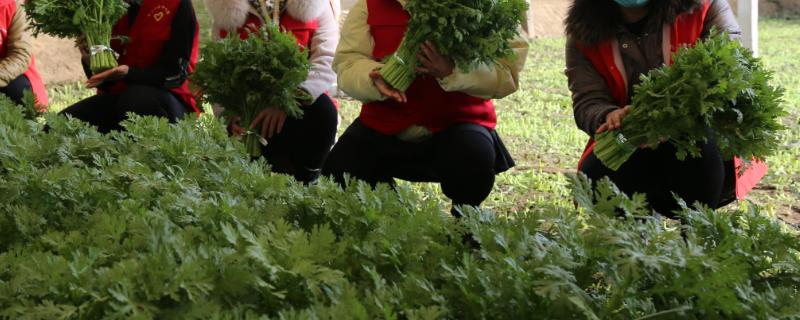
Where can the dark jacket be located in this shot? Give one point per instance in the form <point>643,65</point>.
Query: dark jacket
<point>590,22</point>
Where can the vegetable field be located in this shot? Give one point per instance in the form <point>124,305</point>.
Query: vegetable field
<point>172,222</point>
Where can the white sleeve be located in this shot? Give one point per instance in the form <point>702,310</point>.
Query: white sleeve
<point>322,49</point>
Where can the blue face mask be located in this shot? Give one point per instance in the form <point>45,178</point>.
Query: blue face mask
<point>632,3</point>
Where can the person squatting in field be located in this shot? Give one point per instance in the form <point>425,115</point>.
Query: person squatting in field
<point>610,44</point>
<point>440,130</point>
<point>17,65</point>
<point>159,52</point>
<point>295,146</point>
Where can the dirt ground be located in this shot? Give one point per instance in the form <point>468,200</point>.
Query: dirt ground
<point>58,60</point>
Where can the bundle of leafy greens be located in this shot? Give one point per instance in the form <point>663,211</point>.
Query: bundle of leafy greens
<point>249,75</point>
<point>470,32</point>
<point>717,91</point>
<point>92,19</point>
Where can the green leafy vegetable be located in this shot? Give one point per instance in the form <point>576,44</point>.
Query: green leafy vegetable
<point>250,75</point>
<point>470,32</point>
<point>92,19</point>
<point>715,90</point>
<point>170,221</point>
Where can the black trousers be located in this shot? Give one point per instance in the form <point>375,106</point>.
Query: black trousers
<point>303,144</point>
<point>16,88</point>
<point>106,111</point>
<point>658,174</point>
<point>461,158</point>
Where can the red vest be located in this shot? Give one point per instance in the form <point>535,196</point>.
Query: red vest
<point>303,31</point>
<point>146,39</point>
<point>8,8</point>
<point>685,31</point>
<point>428,104</point>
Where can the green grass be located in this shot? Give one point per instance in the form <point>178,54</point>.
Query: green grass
<point>781,190</point>
<point>537,126</point>
<point>203,18</point>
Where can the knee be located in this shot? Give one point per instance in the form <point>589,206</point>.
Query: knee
<point>334,166</point>
<point>468,148</point>
<point>137,93</point>
<point>466,166</point>
<point>322,114</point>
<point>468,189</point>
<point>141,100</point>
<point>354,155</point>
<point>15,90</point>
<point>593,168</point>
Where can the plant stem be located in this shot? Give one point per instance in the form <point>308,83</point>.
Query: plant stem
<point>100,35</point>
<point>252,140</point>
<point>253,145</point>
<point>612,150</point>
<point>400,69</point>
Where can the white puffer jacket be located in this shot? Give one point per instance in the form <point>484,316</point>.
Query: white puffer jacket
<point>229,15</point>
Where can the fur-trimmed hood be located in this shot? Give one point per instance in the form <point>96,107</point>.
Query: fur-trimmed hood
<point>231,14</point>
<point>594,21</point>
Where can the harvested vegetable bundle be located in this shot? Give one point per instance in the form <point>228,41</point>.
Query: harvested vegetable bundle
<point>248,76</point>
<point>92,19</point>
<point>715,90</point>
<point>470,32</point>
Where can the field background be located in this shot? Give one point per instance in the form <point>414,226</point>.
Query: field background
<point>537,126</point>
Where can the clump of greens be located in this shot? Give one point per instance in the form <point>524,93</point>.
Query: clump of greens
<point>249,75</point>
<point>715,90</point>
<point>28,105</point>
<point>469,32</point>
<point>170,221</point>
<point>92,19</point>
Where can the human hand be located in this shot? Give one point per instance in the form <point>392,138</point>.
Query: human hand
<point>113,74</point>
<point>614,120</point>
<point>271,121</point>
<point>433,63</point>
<point>233,127</point>
<point>386,89</point>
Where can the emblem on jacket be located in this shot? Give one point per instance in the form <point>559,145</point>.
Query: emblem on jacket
<point>159,12</point>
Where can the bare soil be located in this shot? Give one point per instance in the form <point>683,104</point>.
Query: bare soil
<point>58,60</point>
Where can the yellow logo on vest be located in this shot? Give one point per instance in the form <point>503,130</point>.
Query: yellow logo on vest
<point>159,12</point>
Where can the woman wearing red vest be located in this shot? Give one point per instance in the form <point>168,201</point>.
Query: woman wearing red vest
<point>296,146</point>
<point>610,44</point>
<point>157,55</point>
<point>440,130</point>
<point>17,66</point>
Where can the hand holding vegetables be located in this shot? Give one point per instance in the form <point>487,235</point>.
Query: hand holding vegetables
<point>386,89</point>
<point>614,119</point>
<point>470,32</point>
<point>433,63</point>
<point>715,90</point>
<point>117,73</point>
<point>91,20</point>
<point>246,76</point>
<point>271,122</point>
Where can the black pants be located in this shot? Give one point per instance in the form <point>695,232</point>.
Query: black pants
<point>303,144</point>
<point>16,88</point>
<point>106,111</point>
<point>658,173</point>
<point>461,159</point>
